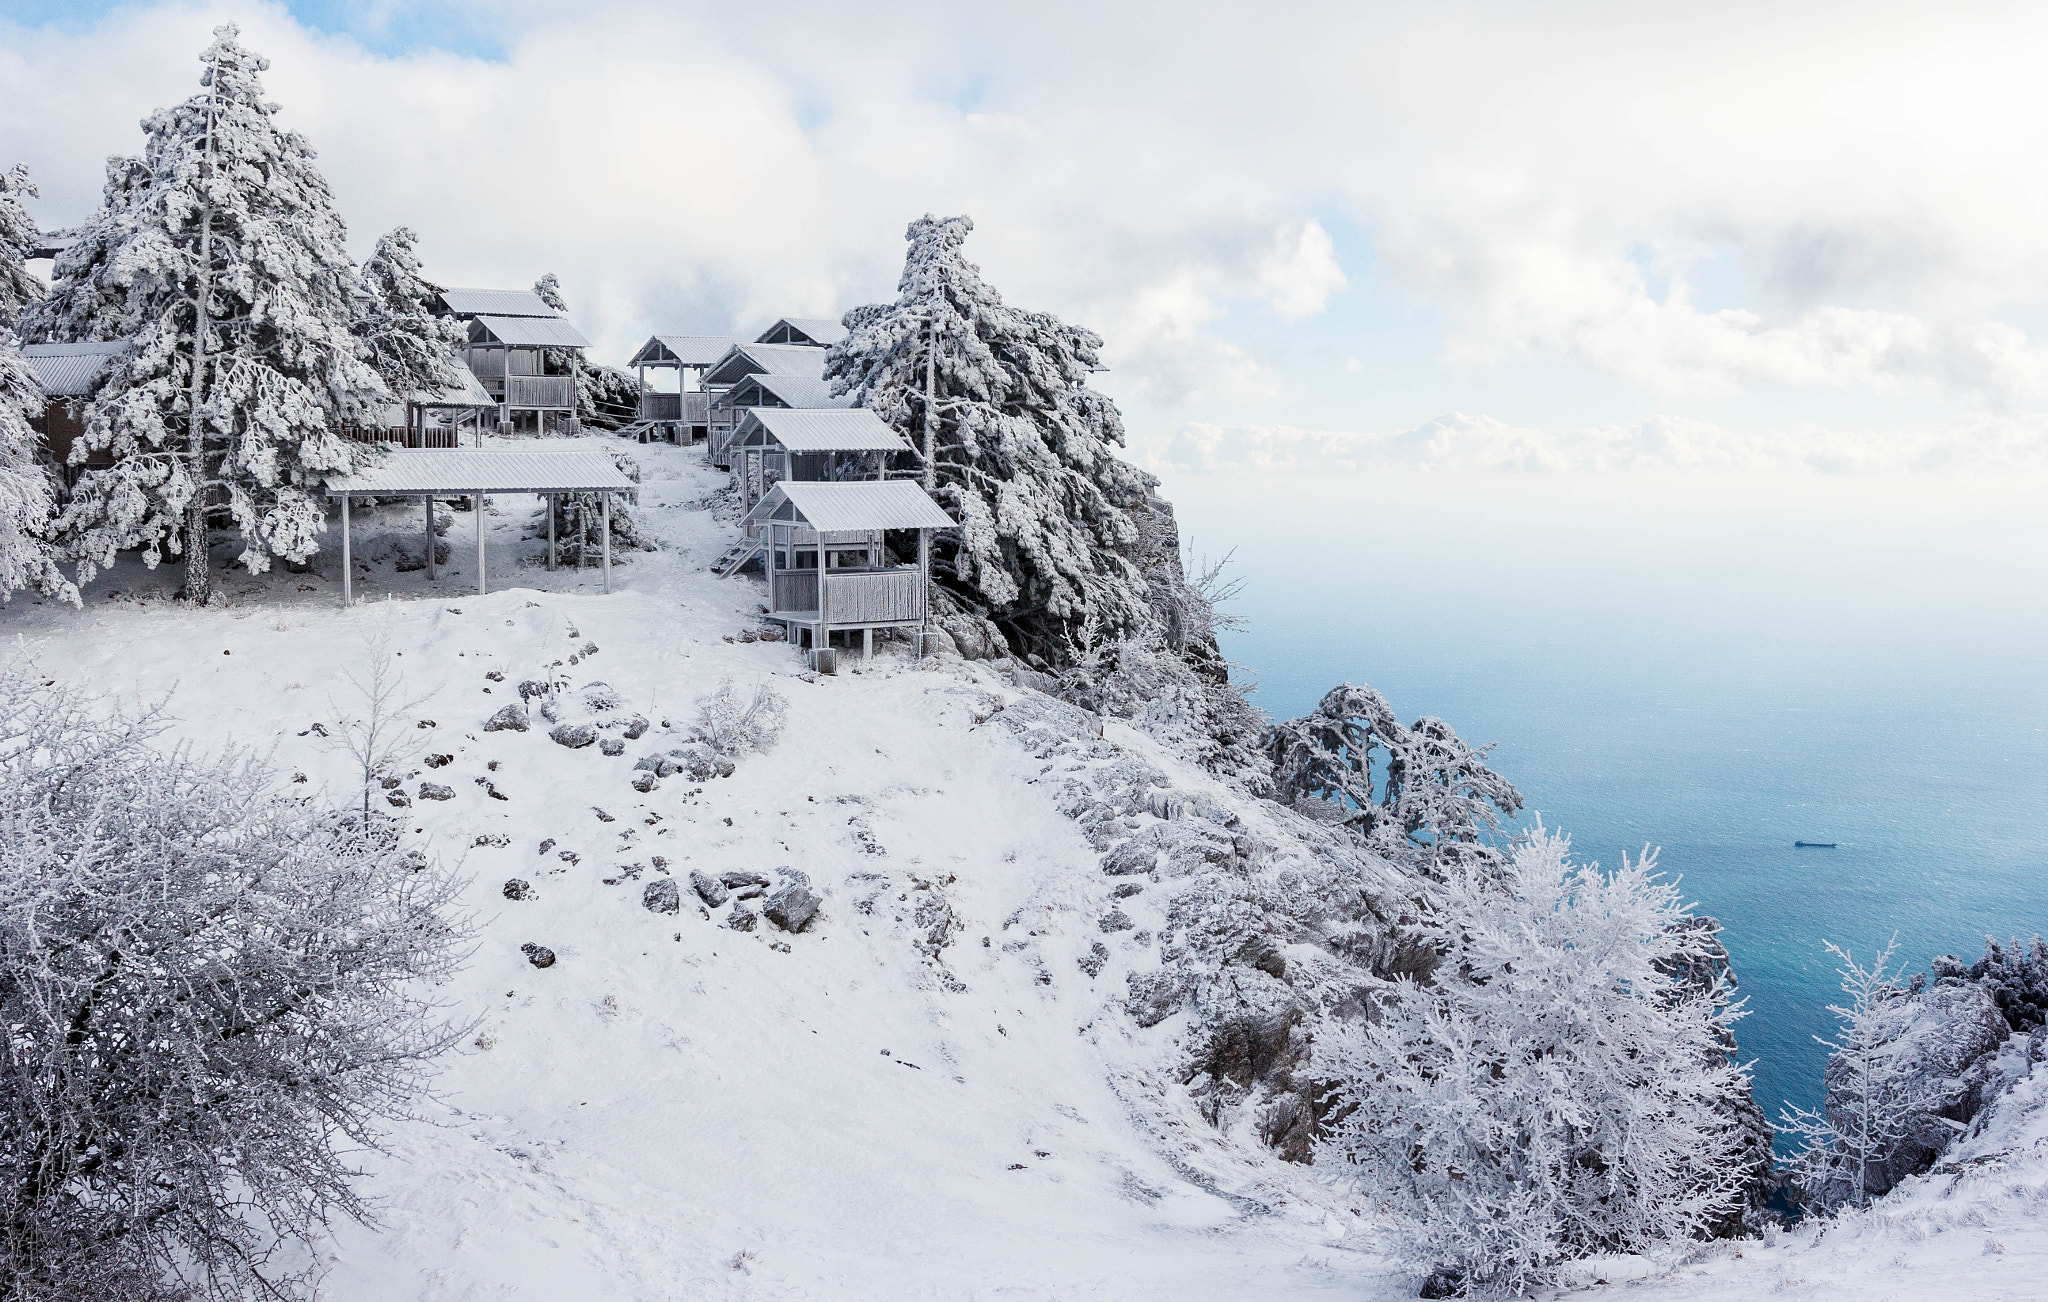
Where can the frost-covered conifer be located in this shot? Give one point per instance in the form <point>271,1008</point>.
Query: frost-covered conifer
<point>1560,1088</point>
<point>26,500</point>
<point>411,349</point>
<point>84,304</point>
<point>1023,452</point>
<point>549,290</point>
<point>1416,794</point>
<point>224,263</point>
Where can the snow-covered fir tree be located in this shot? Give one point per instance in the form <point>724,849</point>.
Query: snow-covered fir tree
<point>26,498</point>
<point>1417,794</point>
<point>549,290</point>
<point>228,272</point>
<point>410,348</point>
<point>84,303</point>
<point>1559,1088</point>
<point>1056,531</point>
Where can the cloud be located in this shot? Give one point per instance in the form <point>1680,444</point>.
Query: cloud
<point>1456,442</point>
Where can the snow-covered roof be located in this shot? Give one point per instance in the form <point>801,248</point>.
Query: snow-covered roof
<point>71,370</point>
<point>467,392</point>
<point>862,504</point>
<point>483,470</point>
<point>770,359</point>
<point>802,391</point>
<point>818,331</point>
<point>51,244</point>
<point>685,350</point>
<point>496,302</point>
<point>841,429</point>
<point>532,331</point>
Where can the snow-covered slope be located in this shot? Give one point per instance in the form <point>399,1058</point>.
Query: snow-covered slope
<point>938,1089</point>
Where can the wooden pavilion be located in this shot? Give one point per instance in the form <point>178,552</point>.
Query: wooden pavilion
<point>683,416</point>
<point>69,375</point>
<point>525,354</point>
<point>827,554</point>
<point>729,373</point>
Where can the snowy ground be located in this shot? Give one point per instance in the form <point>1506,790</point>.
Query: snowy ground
<point>676,1110</point>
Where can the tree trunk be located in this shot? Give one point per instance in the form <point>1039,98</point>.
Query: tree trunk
<point>198,580</point>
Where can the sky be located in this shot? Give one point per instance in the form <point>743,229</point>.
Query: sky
<point>1336,239</point>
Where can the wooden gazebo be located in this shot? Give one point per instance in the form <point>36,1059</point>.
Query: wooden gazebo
<point>827,561</point>
<point>686,412</point>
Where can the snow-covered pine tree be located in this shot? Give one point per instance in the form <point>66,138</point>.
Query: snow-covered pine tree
<point>1416,794</point>
<point>84,304</point>
<point>549,290</point>
<point>411,349</point>
<point>1561,1086</point>
<point>1055,529</point>
<point>26,499</point>
<point>1875,1097</point>
<point>239,297</point>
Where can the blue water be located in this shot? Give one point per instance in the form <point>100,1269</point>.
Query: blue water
<point>1717,676</point>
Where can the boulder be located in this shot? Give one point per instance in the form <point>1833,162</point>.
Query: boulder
<point>435,791</point>
<point>512,718</point>
<point>1092,962</point>
<point>661,896</point>
<point>736,879</point>
<point>1153,996</point>
<point>742,919</point>
<point>518,888</point>
<point>573,735</point>
<point>538,955</point>
<point>709,889</point>
<point>791,908</point>
<point>1115,920</point>
<point>636,727</point>
<point>646,782</point>
<point>611,746</point>
<point>532,687</point>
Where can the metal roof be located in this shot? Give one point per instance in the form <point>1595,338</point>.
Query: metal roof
<point>72,370</point>
<point>482,470</point>
<point>844,429</point>
<point>685,350</point>
<point>822,331</point>
<point>529,331</point>
<point>861,504</point>
<point>496,302</point>
<point>803,392</point>
<point>800,360</point>
<point>466,392</point>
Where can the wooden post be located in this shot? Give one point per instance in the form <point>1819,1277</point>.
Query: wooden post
<point>550,499</point>
<point>607,523</point>
<point>478,502</point>
<point>348,572</point>
<point>430,537</point>
<point>824,635</point>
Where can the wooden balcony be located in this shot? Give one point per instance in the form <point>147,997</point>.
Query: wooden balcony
<point>554,392</point>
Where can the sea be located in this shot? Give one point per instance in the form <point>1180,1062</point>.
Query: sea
<point>1716,667</point>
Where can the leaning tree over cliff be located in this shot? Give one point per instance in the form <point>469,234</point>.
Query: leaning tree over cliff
<point>1057,533</point>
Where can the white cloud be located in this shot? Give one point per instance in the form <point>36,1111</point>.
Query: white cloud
<point>1301,272</point>
<point>1459,443</point>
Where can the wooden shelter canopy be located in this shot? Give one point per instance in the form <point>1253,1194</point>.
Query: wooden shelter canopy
<point>844,508</point>
<point>811,331</point>
<point>432,472</point>
<point>526,332</point>
<point>783,391</point>
<point>767,359</point>
<point>495,302</point>
<point>835,429</point>
<point>683,350</point>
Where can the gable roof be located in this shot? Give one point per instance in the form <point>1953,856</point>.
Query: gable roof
<point>859,504</point>
<point>800,360</point>
<point>809,331</point>
<point>788,390</point>
<point>685,350</point>
<point>843,429</point>
<point>495,302</point>
<point>529,331</point>
<point>466,392</point>
<point>72,370</point>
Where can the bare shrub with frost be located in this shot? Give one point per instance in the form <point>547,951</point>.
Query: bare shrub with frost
<point>734,729</point>
<point>209,989</point>
<point>1560,1088</point>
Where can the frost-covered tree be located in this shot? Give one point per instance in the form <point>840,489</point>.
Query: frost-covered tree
<point>549,290</point>
<point>1415,793</point>
<point>1055,529</point>
<point>228,264</point>
<point>410,348</point>
<point>212,992</point>
<point>1876,1096</point>
<point>86,304</point>
<point>1559,1088</point>
<point>26,499</point>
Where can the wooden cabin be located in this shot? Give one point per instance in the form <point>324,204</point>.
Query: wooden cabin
<point>525,354</point>
<point>812,331</point>
<point>797,361</point>
<point>827,551</point>
<point>434,420</point>
<point>685,415</point>
<point>69,375</point>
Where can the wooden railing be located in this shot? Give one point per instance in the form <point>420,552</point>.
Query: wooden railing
<point>861,597</point>
<point>661,406</point>
<point>399,436</point>
<point>540,391</point>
